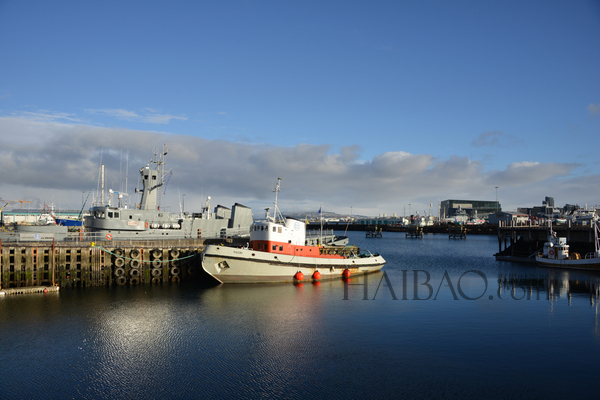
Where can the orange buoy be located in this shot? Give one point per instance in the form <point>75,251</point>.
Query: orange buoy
<point>317,275</point>
<point>346,273</point>
<point>299,276</point>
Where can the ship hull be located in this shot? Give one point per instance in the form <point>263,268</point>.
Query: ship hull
<point>234,265</point>
<point>585,263</point>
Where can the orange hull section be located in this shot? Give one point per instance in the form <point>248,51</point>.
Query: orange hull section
<point>290,249</point>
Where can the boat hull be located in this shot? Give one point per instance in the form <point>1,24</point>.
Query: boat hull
<point>584,263</point>
<point>234,265</point>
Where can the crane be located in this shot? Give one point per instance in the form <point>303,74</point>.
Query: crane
<point>16,201</point>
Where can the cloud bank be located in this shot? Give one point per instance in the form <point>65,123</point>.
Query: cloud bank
<point>58,161</point>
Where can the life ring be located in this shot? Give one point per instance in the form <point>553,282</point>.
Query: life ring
<point>146,224</point>
<point>551,252</point>
<point>108,236</point>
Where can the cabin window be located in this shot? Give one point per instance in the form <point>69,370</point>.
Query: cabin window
<point>274,229</point>
<point>130,216</point>
<point>280,248</point>
<point>110,214</point>
<point>262,228</point>
<point>116,215</point>
<point>279,229</point>
<point>274,247</point>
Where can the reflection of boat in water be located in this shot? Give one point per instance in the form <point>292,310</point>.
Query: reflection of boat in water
<point>148,221</point>
<point>556,253</point>
<point>277,253</point>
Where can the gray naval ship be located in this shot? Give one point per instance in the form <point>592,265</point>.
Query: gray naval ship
<point>147,221</point>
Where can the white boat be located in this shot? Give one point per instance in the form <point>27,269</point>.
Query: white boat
<point>556,253</point>
<point>277,253</point>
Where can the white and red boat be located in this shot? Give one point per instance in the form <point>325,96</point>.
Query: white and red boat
<point>556,253</point>
<point>277,252</point>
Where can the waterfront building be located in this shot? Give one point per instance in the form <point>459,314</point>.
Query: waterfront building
<point>481,208</point>
<point>37,216</point>
<point>508,217</point>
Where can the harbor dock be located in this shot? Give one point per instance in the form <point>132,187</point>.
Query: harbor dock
<point>80,264</point>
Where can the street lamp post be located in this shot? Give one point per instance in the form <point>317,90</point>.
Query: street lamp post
<point>183,203</point>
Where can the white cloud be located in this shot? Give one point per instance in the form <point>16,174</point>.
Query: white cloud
<point>593,108</point>
<point>151,116</point>
<point>494,139</point>
<point>60,160</point>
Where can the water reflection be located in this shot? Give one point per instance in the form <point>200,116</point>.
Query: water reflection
<point>299,341</point>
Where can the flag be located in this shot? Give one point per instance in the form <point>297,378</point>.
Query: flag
<point>319,210</point>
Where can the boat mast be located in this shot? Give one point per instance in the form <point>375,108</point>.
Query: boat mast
<point>160,162</point>
<point>276,212</point>
<point>102,186</point>
<point>321,218</point>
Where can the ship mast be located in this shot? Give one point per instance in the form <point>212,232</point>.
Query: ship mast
<point>160,162</point>
<point>276,212</point>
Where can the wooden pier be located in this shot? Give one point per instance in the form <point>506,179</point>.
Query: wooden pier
<point>376,233</point>
<point>522,243</point>
<point>457,232</point>
<point>414,232</point>
<point>80,264</point>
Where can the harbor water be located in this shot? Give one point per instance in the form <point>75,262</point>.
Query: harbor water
<point>443,320</point>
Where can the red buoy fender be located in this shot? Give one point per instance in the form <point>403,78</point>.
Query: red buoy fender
<point>299,276</point>
<point>346,273</point>
<point>317,275</point>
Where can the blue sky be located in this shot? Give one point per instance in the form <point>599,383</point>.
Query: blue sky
<point>373,105</point>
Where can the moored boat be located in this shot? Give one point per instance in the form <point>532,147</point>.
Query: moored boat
<point>148,221</point>
<point>277,252</point>
<point>556,253</point>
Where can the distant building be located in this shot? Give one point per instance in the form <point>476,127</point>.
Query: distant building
<point>508,217</point>
<point>36,216</point>
<point>548,201</point>
<point>483,208</point>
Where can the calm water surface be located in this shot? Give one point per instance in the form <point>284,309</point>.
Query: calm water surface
<point>530,332</point>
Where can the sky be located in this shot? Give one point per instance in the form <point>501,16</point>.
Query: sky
<point>369,107</point>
